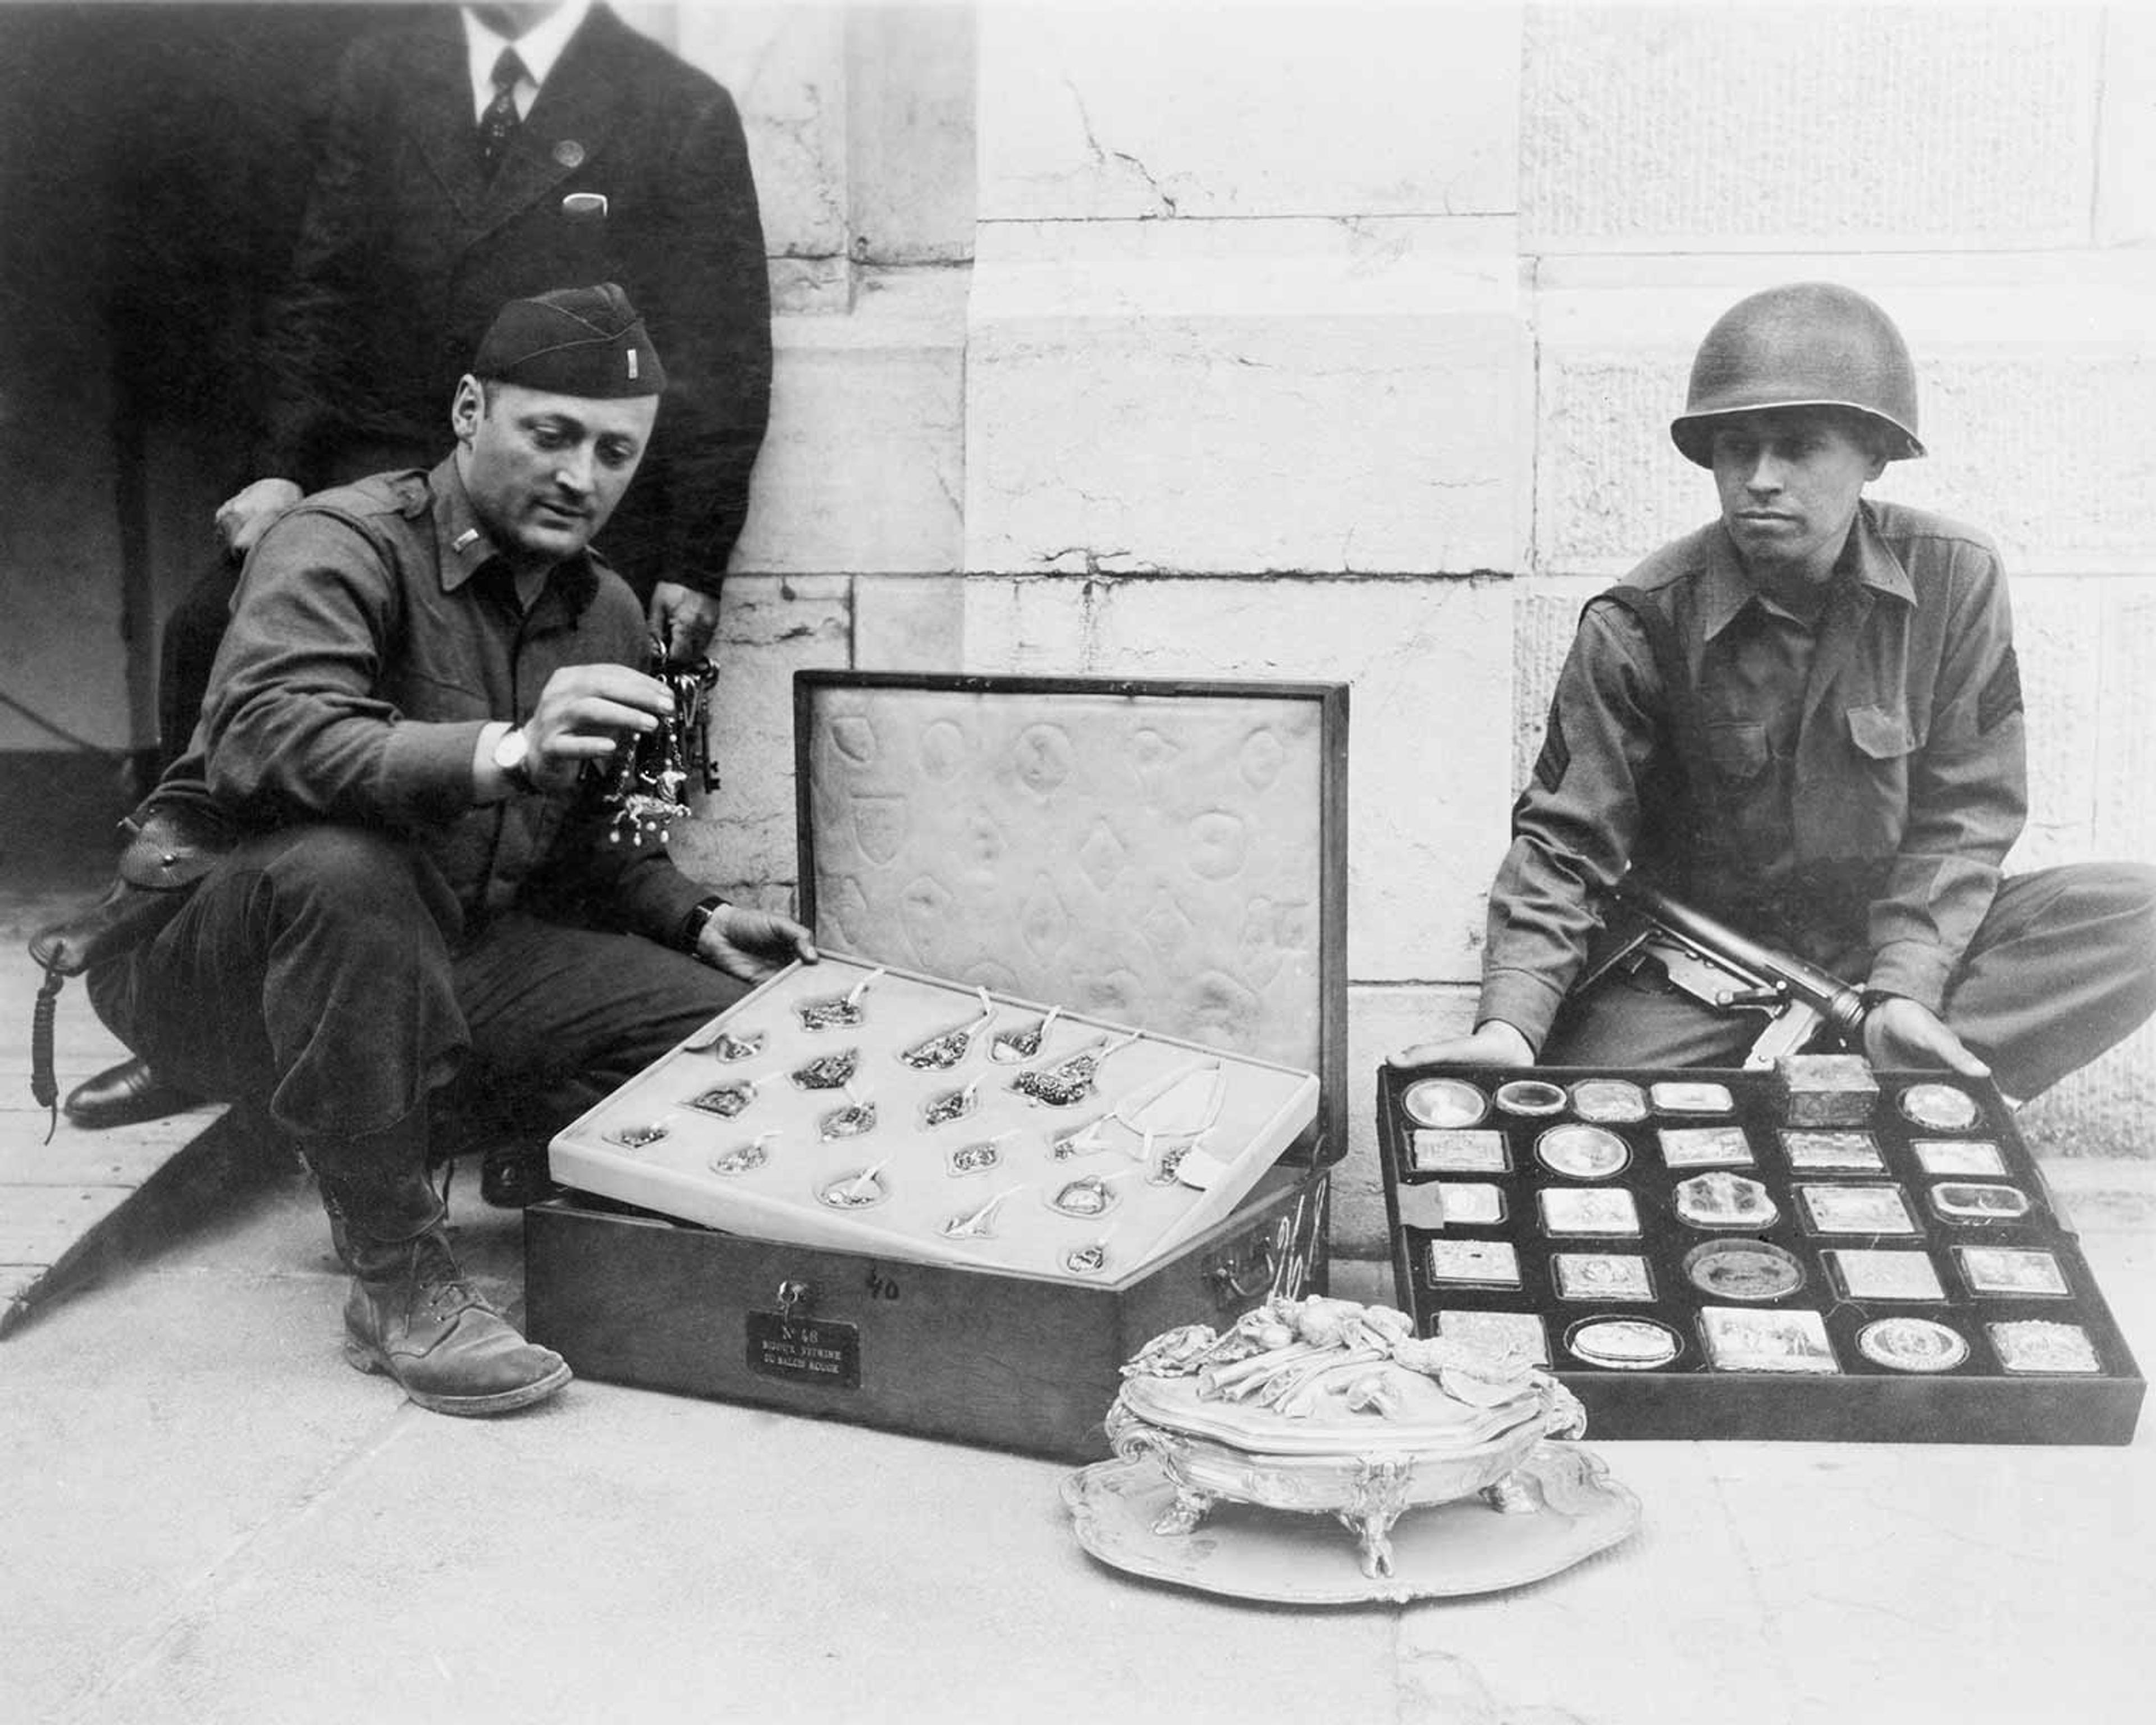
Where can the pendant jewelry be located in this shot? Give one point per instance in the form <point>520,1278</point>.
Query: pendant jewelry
<point>1088,1195</point>
<point>979,1224</point>
<point>1009,1047</point>
<point>851,1121</point>
<point>647,781</point>
<point>830,1071</point>
<point>1071,1081</point>
<point>858,1191</point>
<point>1087,1140</point>
<point>725,1100</point>
<point>725,1045</point>
<point>1161,1169</point>
<point>745,1158</point>
<point>940,1052</point>
<point>834,1011</point>
<point>950,1105</point>
<point>635,1137</point>
<point>978,1157</point>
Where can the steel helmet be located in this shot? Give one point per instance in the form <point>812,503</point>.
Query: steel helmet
<point>1809,344</point>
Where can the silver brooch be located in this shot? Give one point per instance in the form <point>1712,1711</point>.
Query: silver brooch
<point>1070,1080</point>
<point>857,1191</point>
<point>834,1011</point>
<point>745,1158</point>
<point>941,1052</point>
<point>1009,1047</point>
<point>829,1071</point>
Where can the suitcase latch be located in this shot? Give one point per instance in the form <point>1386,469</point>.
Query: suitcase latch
<point>1244,1274</point>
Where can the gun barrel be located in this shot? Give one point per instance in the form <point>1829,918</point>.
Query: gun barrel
<point>1841,1005</point>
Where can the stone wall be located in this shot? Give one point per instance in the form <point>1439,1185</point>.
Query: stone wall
<point>1336,343</point>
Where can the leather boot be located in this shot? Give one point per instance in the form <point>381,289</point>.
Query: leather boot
<point>125,1095</point>
<point>412,1316</point>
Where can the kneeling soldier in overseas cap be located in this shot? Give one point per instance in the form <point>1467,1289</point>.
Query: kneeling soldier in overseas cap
<point>412,878</point>
<point>1805,719</point>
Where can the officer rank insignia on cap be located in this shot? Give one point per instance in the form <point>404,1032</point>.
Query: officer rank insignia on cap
<point>586,341</point>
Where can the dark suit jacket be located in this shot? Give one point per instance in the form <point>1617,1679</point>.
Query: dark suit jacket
<point>405,253</point>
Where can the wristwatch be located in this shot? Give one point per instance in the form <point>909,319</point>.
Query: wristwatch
<point>512,754</point>
<point>700,913</point>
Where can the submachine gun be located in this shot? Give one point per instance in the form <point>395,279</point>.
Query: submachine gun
<point>1714,963</point>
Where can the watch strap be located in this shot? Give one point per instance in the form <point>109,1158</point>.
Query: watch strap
<point>700,913</point>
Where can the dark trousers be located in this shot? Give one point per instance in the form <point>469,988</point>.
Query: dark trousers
<point>322,975</point>
<point>2062,967</point>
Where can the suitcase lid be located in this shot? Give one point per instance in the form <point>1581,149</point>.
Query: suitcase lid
<point>1171,854</point>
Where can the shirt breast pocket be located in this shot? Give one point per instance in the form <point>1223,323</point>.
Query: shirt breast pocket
<point>1739,750</point>
<point>1880,733</point>
<point>1865,816</point>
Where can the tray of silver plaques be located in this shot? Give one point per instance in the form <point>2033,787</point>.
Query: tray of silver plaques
<point>872,1109</point>
<point>1817,1252</point>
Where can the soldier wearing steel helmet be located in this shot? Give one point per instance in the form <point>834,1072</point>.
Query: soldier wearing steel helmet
<point>1806,720</point>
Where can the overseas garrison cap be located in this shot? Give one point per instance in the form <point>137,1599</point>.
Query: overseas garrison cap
<point>584,340</point>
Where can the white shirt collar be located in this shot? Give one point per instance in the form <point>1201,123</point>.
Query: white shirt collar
<point>539,48</point>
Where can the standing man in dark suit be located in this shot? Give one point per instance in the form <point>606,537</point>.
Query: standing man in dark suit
<point>474,157</point>
<point>504,150</point>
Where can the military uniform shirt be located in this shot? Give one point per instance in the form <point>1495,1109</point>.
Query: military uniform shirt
<point>1868,765</point>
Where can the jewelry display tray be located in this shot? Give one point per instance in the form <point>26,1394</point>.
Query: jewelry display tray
<point>1858,1399</point>
<point>1169,857</point>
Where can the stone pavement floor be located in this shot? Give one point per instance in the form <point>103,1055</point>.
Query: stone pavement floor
<point>209,1516</point>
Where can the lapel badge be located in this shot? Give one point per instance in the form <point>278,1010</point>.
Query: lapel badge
<point>569,153</point>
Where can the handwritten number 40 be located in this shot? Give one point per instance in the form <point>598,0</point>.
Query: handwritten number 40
<point>881,1287</point>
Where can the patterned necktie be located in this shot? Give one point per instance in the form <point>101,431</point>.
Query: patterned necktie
<point>498,125</point>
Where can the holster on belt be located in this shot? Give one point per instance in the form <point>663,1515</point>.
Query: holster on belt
<point>172,841</point>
